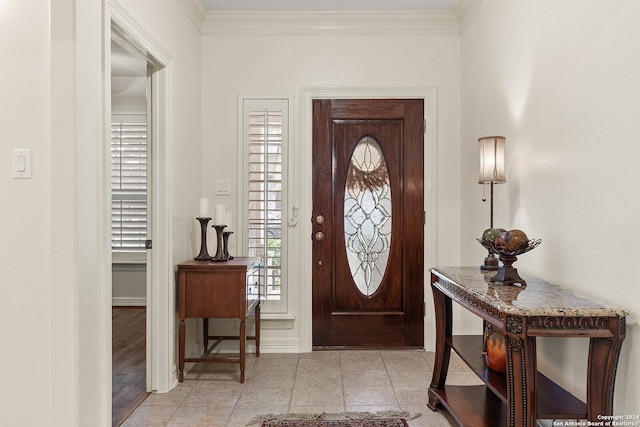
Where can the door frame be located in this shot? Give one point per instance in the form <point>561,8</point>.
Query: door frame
<point>160,340</point>
<point>304,173</point>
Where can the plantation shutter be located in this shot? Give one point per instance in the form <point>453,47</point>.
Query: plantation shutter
<point>128,186</point>
<point>265,196</point>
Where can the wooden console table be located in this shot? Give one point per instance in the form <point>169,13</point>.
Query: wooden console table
<point>521,313</point>
<point>229,289</point>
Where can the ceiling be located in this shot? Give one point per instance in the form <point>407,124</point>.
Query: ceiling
<point>328,5</point>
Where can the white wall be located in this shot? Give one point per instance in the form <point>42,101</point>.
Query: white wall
<point>268,65</point>
<point>54,227</point>
<point>25,219</point>
<point>560,81</point>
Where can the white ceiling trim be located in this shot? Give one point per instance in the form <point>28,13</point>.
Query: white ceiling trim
<point>419,23</point>
<point>466,10</point>
<point>195,10</point>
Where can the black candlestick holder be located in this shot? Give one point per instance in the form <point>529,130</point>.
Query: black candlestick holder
<point>204,254</point>
<point>225,250</point>
<point>220,256</point>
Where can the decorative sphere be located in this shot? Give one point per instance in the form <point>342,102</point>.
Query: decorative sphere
<point>495,350</point>
<point>501,241</point>
<point>515,240</point>
<point>490,234</point>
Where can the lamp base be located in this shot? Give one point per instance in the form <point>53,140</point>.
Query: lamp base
<point>507,274</point>
<point>490,263</point>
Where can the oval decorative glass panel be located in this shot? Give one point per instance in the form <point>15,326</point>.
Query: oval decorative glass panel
<point>367,215</point>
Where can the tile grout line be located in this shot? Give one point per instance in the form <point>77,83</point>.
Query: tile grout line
<point>293,386</point>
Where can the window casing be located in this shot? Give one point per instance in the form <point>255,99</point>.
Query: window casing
<point>264,148</point>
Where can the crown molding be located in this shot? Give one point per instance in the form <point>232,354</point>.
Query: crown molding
<point>195,10</point>
<point>401,23</point>
<point>466,10</point>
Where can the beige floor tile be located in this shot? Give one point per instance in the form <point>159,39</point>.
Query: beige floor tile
<point>378,395</point>
<point>266,378</point>
<point>366,378</point>
<point>151,415</point>
<point>201,416</point>
<point>323,381</point>
<point>276,396</point>
<point>312,379</point>
<point>210,393</point>
<point>332,396</point>
<point>361,365</point>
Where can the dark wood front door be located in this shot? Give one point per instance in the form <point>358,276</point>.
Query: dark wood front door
<point>368,238</point>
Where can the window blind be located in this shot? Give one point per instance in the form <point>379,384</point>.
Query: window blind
<point>128,186</point>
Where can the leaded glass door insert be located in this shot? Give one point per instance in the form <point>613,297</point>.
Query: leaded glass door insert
<point>367,213</point>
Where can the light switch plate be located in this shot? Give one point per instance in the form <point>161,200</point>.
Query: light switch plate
<point>223,187</point>
<point>21,163</point>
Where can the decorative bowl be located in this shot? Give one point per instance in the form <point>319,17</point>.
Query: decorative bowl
<point>491,246</point>
<point>507,274</point>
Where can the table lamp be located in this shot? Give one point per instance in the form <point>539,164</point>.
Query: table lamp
<point>491,172</point>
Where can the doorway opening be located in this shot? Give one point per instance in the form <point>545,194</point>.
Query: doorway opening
<point>130,169</point>
<point>160,375</point>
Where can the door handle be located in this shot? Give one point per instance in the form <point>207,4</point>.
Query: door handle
<point>319,219</point>
<point>319,236</point>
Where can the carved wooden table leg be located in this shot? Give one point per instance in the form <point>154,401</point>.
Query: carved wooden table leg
<point>601,371</point>
<point>443,311</point>
<point>521,373</point>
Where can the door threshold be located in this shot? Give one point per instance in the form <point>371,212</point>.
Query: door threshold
<point>371,347</point>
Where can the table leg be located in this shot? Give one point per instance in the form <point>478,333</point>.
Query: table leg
<point>601,370</point>
<point>521,381</point>
<point>257,316</point>
<point>205,334</point>
<point>443,311</point>
<point>243,346</point>
<point>181,330</point>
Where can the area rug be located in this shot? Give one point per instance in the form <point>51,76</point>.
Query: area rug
<point>380,422</point>
<point>341,419</point>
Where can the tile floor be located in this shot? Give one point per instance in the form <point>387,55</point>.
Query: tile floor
<point>322,381</point>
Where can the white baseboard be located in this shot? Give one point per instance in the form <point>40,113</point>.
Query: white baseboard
<point>277,345</point>
<point>128,302</point>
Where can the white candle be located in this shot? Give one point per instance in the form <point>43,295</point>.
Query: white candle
<point>204,208</point>
<point>228,221</point>
<point>220,216</point>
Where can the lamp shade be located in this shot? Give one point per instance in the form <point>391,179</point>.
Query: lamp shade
<point>492,160</point>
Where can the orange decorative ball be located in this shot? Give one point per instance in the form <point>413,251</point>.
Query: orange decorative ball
<point>495,350</point>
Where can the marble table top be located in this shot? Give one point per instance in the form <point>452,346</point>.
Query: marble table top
<point>537,298</point>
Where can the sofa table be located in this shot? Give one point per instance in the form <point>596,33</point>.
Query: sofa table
<point>230,290</point>
<point>521,313</point>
